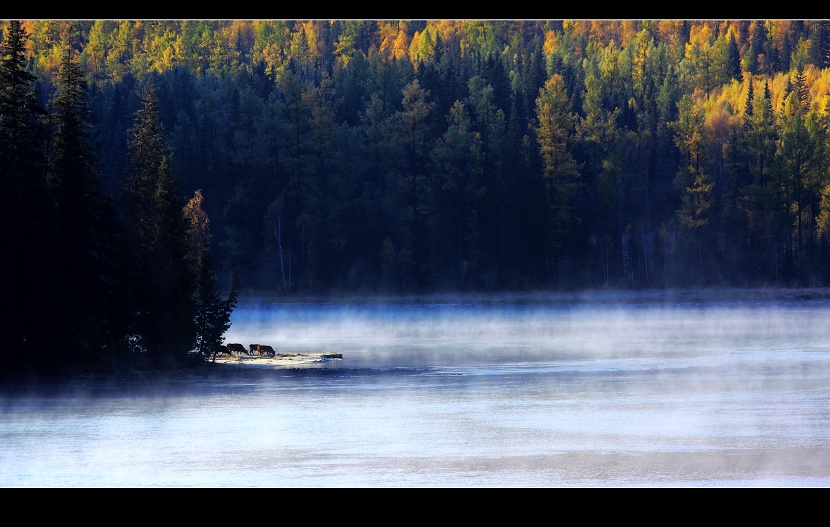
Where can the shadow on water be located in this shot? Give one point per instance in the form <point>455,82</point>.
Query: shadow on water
<point>211,380</point>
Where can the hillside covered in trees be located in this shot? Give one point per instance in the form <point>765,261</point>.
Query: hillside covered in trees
<point>386,157</point>
<point>96,282</point>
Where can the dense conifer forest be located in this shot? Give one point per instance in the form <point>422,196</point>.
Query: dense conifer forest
<point>153,170</point>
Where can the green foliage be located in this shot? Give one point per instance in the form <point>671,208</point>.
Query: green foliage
<point>554,134</point>
<point>404,156</point>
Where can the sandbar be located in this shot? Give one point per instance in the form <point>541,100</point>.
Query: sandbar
<point>290,360</point>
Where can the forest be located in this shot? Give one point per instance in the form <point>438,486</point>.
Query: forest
<point>153,171</point>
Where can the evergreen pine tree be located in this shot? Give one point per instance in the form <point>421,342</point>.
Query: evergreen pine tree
<point>213,313</point>
<point>84,251</point>
<point>819,38</point>
<point>732,58</point>
<point>162,282</point>
<point>27,220</point>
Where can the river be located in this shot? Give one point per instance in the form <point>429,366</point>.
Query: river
<point>478,391</point>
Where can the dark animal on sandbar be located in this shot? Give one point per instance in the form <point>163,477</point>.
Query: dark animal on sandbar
<point>265,351</point>
<point>261,350</point>
<point>236,349</point>
<point>221,349</point>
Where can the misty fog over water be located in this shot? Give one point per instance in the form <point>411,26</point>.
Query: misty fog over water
<point>458,391</point>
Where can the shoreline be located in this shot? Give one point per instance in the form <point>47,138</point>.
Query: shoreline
<point>586,296</point>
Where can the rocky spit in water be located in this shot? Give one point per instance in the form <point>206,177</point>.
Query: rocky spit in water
<point>279,359</point>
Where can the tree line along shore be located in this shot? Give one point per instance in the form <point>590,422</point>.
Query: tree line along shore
<point>151,170</point>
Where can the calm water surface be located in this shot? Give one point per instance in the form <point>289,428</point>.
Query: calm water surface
<point>478,393</point>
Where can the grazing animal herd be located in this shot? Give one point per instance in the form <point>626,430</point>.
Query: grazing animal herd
<point>254,350</point>
<point>260,350</point>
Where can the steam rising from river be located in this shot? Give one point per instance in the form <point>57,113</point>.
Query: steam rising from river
<point>512,331</point>
<point>464,391</point>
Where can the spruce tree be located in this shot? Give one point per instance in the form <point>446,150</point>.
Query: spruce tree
<point>213,314</point>
<point>162,282</point>
<point>819,38</point>
<point>85,251</point>
<point>27,220</point>
<point>732,58</point>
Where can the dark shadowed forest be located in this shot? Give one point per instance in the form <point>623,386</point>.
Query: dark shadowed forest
<point>152,171</point>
